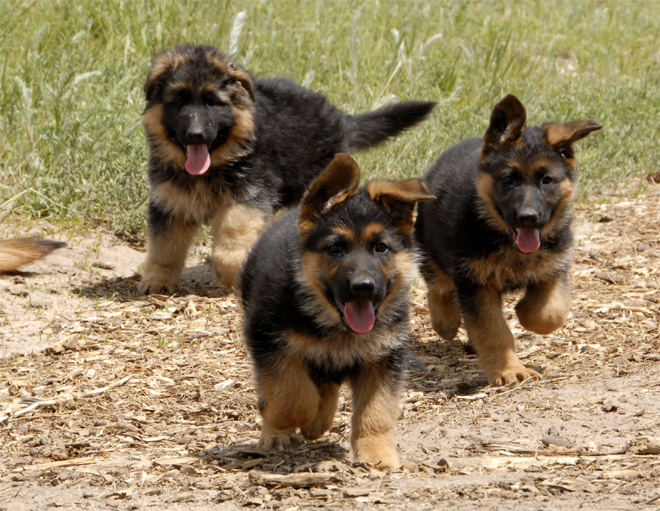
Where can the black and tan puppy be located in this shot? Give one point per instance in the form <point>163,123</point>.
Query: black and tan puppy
<point>325,292</point>
<point>17,252</point>
<point>501,222</point>
<point>229,149</point>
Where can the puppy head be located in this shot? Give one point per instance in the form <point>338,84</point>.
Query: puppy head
<point>200,108</point>
<point>357,244</point>
<point>526,181</point>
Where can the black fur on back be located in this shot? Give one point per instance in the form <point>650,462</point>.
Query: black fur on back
<point>296,131</point>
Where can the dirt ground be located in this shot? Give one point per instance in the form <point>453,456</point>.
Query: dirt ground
<point>110,400</point>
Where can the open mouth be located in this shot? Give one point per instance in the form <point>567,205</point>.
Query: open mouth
<point>198,159</point>
<point>360,315</point>
<point>527,240</point>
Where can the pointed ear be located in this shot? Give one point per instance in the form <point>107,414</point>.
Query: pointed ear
<point>398,199</point>
<point>335,184</point>
<point>560,135</point>
<point>506,123</point>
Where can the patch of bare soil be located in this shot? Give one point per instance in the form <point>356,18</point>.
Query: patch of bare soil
<point>110,400</point>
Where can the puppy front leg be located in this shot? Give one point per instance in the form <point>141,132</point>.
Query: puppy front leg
<point>375,409</point>
<point>490,336</point>
<point>546,305</point>
<point>168,239</point>
<point>288,400</point>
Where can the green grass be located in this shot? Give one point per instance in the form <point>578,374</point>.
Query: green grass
<point>71,74</point>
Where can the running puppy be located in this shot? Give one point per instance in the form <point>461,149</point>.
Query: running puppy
<point>325,292</point>
<point>501,222</point>
<point>229,149</point>
<point>17,252</point>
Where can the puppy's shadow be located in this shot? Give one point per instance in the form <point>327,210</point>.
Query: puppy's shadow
<point>197,280</point>
<point>309,456</point>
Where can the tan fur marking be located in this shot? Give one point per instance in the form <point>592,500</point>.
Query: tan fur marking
<point>241,133</point>
<point>493,341</point>
<point>444,309</point>
<point>17,252</point>
<point>347,234</point>
<point>168,152</point>
<point>562,213</point>
<point>545,306</point>
<point>289,398</point>
<point>329,395</point>
<point>346,348</point>
<point>166,255</point>
<point>375,410</point>
<point>487,209</point>
<point>195,205</point>
<point>400,270</point>
<point>312,264</point>
<point>507,266</point>
<point>371,231</point>
<point>235,229</point>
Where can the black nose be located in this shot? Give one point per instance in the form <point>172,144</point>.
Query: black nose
<point>195,134</point>
<point>363,286</point>
<point>528,218</point>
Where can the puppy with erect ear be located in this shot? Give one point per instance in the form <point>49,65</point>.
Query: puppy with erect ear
<point>502,221</point>
<point>325,292</point>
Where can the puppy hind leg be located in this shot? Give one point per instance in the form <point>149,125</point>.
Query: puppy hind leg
<point>443,304</point>
<point>235,230</point>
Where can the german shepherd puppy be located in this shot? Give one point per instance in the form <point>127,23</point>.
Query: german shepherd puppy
<point>501,222</point>
<point>230,149</point>
<point>17,252</point>
<point>325,292</point>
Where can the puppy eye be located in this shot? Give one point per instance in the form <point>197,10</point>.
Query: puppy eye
<point>547,180</point>
<point>336,249</point>
<point>381,247</point>
<point>507,180</point>
<point>213,100</point>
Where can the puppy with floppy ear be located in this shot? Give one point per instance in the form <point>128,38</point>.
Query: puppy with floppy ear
<point>325,292</point>
<point>230,149</point>
<point>501,222</point>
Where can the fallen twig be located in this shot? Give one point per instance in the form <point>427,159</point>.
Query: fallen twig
<point>68,397</point>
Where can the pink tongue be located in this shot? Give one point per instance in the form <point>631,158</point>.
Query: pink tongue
<point>360,316</point>
<point>528,240</point>
<point>199,159</point>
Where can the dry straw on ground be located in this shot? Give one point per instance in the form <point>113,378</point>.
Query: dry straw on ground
<point>130,402</point>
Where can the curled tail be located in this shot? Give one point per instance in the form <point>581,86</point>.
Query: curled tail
<point>16,252</point>
<point>372,128</point>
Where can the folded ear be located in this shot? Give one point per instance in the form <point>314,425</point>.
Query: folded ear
<point>243,78</point>
<point>335,184</point>
<point>559,134</point>
<point>506,123</point>
<point>398,199</point>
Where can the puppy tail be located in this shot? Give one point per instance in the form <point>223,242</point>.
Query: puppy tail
<point>16,252</point>
<point>372,128</point>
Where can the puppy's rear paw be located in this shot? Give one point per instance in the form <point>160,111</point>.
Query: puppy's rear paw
<point>512,375</point>
<point>278,441</point>
<point>147,287</point>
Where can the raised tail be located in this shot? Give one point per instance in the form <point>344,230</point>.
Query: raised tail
<point>16,252</point>
<point>372,128</point>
